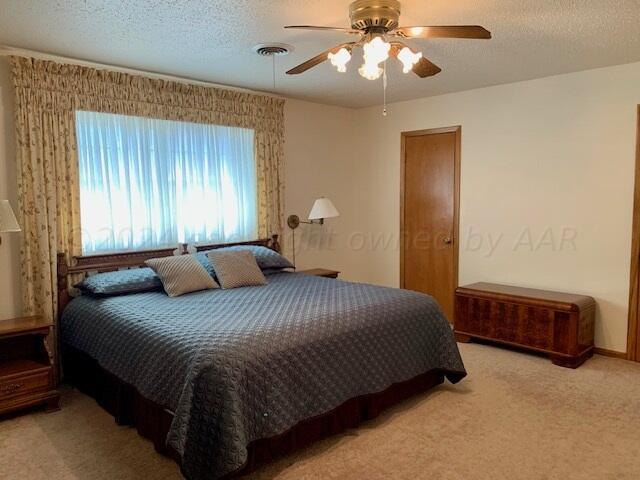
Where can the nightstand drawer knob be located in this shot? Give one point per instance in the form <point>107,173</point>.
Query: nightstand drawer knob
<point>10,388</point>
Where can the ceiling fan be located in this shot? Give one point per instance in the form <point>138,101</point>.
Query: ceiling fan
<point>375,22</point>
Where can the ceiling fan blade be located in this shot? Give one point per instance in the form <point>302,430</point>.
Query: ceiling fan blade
<point>325,29</point>
<point>424,68</point>
<point>457,31</point>
<point>317,60</point>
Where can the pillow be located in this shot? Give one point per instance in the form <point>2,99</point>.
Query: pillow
<point>204,261</point>
<point>181,274</point>
<point>121,282</point>
<point>265,257</point>
<point>236,268</point>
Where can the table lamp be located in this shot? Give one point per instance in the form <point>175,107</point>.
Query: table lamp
<point>8,222</point>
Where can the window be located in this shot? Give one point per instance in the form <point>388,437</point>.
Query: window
<point>147,183</point>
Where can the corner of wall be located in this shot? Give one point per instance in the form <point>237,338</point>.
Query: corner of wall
<point>10,294</point>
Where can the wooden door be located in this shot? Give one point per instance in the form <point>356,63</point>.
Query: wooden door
<point>429,214</point>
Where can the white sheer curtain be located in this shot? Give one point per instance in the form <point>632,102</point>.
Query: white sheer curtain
<point>148,183</point>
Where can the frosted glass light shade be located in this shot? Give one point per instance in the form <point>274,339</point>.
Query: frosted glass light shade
<point>340,59</point>
<point>323,208</point>
<point>8,222</point>
<point>408,58</point>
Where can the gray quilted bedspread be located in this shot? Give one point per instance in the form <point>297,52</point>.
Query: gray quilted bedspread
<point>249,363</point>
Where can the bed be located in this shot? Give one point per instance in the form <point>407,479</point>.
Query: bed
<point>223,380</point>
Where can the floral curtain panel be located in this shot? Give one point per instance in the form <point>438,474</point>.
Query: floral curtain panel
<point>48,94</point>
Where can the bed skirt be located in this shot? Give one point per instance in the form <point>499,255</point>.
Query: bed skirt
<point>153,421</point>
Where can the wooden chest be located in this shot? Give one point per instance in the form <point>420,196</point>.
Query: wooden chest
<point>558,324</point>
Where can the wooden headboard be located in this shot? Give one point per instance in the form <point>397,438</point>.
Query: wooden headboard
<point>271,243</point>
<point>109,262</point>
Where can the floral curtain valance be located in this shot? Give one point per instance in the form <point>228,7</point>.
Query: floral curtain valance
<point>59,86</point>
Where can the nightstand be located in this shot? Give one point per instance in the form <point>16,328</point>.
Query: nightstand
<point>320,272</point>
<point>26,370</point>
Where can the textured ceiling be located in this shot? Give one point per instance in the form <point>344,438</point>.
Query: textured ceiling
<point>211,40</point>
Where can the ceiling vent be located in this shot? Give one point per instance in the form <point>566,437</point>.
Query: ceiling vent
<point>269,49</point>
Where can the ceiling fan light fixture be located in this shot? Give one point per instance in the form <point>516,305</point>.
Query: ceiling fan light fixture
<point>376,23</point>
<point>376,50</point>
<point>370,71</point>
<point>340,59</point>
<point>408,58</point>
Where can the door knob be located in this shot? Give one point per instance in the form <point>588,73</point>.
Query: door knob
<point>447,240</point>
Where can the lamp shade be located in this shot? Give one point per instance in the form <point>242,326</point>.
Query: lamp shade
<point>8,222</point>
<point>323,208</point>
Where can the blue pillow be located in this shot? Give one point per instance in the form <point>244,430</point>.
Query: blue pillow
<point>266,258</point>
<point>204,261</point>
<point>121,282</point>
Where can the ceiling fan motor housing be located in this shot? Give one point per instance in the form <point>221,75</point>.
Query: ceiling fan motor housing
<point>374,14</point>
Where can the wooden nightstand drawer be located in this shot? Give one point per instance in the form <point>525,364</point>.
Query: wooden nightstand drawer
<point>25,384</point>
<point>27,375</point>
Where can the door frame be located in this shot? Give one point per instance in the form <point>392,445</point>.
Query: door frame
<point>633,330</point>
<point>456,194</point>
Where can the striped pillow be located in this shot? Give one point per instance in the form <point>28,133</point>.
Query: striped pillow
<point>181,274</point>
<point>266,258</point>
<point>236,268</point>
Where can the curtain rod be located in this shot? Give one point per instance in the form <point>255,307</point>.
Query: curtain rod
<point>7,50</point>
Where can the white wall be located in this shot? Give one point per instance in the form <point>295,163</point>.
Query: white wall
<point>10,303</point>
<point>551,155</point>
<point>319,162</point>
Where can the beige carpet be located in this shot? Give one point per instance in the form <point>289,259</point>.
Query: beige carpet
<point>516,416</point>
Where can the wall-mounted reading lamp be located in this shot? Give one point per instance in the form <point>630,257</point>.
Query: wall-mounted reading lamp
<point>8,222</point>
<point>322,208</point>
